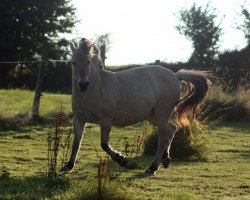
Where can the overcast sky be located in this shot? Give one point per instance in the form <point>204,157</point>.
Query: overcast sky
<point>143,31</point>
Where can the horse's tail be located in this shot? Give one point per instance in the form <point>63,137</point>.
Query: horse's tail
<point>198,86</point>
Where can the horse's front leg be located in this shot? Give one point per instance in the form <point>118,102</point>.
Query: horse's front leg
<point>117,157</point>
<point>78,132</point>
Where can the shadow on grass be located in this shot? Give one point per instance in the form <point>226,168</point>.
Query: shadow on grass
<point>22,122</point>
<point>138,162</point>
<point>22,132</point>
<point>145,161</point>
<point>36,187</point>
<point>25,131</point>
<point>244,153</point>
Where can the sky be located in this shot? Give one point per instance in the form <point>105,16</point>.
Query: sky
<point>143,31</point>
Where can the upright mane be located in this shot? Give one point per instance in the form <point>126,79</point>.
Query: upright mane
<point>86,47</point>
<point>97,59</point>
<point>92,50</point>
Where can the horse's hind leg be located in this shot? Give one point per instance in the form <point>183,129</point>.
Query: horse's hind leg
<point>165,159</point>
<point>105,130</point>
<point>162,144</point>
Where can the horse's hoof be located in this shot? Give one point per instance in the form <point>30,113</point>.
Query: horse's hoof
<point>150,171</point>
<point>122,161</point>
<point>165,162</point>
<point>67,167</point>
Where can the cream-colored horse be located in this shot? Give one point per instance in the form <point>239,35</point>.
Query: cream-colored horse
<point>127,97</point>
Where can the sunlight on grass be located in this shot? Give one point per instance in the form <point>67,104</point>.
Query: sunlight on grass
<point>17,101</point>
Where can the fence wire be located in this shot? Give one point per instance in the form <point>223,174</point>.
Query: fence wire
<point>34,61</point>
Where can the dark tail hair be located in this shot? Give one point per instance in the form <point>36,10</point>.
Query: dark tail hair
<point>198,87</point>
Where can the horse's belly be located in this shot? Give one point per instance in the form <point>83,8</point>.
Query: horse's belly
<point>131,116</point>
<point>126,122</point>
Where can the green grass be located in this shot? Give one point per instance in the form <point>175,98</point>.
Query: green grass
<point>17,101</point>
<point>23,162</point>
<point>224,176</point>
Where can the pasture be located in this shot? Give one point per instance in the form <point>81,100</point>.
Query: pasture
<point>23,157</point>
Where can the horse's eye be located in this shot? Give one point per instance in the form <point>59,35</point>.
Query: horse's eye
<point>73,63</point>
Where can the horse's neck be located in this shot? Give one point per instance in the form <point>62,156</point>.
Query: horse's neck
<point>95,78</point>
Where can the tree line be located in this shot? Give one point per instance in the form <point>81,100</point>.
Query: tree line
<point>29,27</point>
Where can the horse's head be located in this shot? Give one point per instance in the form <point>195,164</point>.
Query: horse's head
<point>84,57</point>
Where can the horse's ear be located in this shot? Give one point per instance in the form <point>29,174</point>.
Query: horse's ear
<point>72,46</point>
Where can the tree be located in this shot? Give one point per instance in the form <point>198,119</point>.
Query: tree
<point>26,27</point>
<point>245,27</point>
<point>198,25</point>
<point>103,42</point>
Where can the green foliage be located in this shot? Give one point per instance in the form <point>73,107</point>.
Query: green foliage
<point>36,22</point>
<point>27,28</point>
<point>233,67</point>
<point>198,25</point>
<point>245,27</point>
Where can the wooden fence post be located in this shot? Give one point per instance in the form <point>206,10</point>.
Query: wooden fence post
<point>38,90</point>
<point>103,54</point>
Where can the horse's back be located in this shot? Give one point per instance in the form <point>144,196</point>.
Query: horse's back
<point>141,91</point>
<point>148,80</point>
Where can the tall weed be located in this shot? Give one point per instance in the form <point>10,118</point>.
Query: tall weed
<point>58,142</point>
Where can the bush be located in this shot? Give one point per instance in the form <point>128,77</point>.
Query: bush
<point>182,145</point>
<point>222,106</point>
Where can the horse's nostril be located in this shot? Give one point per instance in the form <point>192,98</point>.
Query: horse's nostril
<point>83,84</point>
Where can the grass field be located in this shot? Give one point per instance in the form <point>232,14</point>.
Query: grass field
<point>23,161</point>
<point>13,102</point>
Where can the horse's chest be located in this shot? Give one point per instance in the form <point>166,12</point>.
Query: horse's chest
<point>85,112</point>
<point>86,115</point>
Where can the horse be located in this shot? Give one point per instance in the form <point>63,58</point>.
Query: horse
<point>128,97</point>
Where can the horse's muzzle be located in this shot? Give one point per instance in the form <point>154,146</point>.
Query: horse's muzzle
<point>83,84</point>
